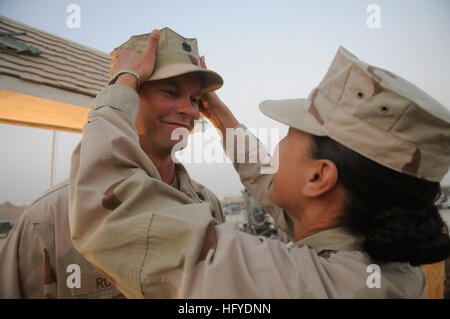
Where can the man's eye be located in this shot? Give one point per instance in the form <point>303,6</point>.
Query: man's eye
<point>195,102</point>
<point>170,92</point>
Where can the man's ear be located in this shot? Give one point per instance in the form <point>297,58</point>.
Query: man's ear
<point>322,178</point>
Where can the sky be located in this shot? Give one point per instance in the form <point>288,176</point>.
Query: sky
<point>263,50</point>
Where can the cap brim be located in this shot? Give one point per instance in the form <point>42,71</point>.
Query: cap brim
<point>211,81</point>
<point>292,112</point>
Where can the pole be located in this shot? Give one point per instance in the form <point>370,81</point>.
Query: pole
<point>52,164</point>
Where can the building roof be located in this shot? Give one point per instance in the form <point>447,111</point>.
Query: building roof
<point>52,79</point>
<point>62,64</point>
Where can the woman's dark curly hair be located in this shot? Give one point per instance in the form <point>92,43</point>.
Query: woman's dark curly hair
<point>396,212</point>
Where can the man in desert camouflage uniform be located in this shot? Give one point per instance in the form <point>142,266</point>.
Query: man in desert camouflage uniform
<point>35,257</point>
<point>155,242</point>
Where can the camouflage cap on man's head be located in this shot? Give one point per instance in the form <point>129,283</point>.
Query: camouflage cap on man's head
<point>375,113</point>
<point>175,56</point>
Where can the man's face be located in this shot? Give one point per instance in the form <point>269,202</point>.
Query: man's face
<point>165,106</point>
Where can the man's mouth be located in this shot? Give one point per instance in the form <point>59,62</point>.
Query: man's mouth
<point>178,124</point>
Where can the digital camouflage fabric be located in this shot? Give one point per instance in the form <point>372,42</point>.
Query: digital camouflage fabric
<point>175,55</point>
<point>38,251</point>
<point>375,113</point>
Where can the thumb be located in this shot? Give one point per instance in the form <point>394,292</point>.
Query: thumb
<point>202,62</point>
<point>152,43</point>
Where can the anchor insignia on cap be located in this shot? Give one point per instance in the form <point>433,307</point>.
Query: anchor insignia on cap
<point>187,47</point>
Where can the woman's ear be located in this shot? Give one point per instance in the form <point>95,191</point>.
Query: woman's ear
<point>322,177</point>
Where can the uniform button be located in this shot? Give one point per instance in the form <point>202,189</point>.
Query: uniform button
<point>385,109</point>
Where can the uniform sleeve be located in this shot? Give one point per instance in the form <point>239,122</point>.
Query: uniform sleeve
<point>250,267</point>
<point>252,174</point>
<point>119,209</point>
<point>25,263</point>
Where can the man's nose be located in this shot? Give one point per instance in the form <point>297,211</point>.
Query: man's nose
<point>187,107</point>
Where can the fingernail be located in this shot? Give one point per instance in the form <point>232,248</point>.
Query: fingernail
<point>155,34</point>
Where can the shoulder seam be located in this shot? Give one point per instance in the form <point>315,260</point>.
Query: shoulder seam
<point>47,194</point>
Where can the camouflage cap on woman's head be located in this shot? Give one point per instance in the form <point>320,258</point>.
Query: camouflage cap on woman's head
<point>375,113</point>
<point>175,56</point>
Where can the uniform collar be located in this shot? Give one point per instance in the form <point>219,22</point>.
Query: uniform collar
<point>183,183</point>
<point>176,181</point>
<point>338,238</point>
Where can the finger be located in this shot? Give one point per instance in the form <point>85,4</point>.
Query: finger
<point>202,62</point>
<point>204,103</point>
<point>115,54</point>
<point>112,68</point>
<point>152,43</point>
<point>205,113</point>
